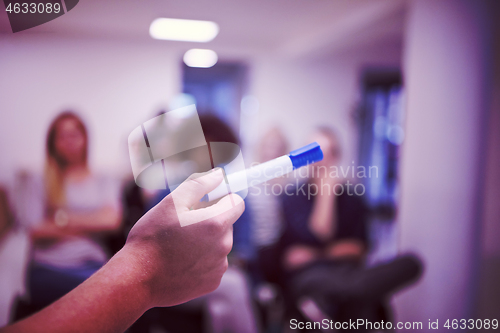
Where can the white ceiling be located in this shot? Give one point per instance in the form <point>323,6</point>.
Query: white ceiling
<point>295,28</point>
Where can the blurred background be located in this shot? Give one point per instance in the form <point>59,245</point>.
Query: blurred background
<point>412,87</point>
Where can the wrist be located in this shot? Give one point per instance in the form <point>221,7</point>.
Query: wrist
<point>128,269</point>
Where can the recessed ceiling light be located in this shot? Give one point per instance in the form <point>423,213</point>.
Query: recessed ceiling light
<point>200,58</point>
<point>183,30</point>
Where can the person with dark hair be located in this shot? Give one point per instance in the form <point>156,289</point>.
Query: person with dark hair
<point>79,207</point>
<point>324,245</point>
<point>216,130</point>
<point>229,308</point>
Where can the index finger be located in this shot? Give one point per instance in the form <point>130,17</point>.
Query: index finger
<point>190,192</point>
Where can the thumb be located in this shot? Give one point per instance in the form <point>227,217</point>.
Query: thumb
<point>232,205</point>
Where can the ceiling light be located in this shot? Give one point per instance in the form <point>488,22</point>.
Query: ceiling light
<point>183,30</point>
<point>200,58</point>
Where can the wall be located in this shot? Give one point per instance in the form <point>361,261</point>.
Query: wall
<point>298,95</point>
<point>446,66</point>
<point>488,302</point>
<point>117,85</point>
<point>114,86</point>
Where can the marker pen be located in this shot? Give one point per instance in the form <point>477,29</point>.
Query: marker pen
<point>263,172</point>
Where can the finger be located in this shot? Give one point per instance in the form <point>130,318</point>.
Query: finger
<point>227,242</point>
<point>195,187</point>
<point>231,205</point>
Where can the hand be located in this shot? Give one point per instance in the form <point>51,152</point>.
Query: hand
<point>161,264</point>
<point>300,255</point>
<point>182,263</point>
<point>347,248</point>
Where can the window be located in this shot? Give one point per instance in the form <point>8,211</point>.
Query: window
<point>218,90</point>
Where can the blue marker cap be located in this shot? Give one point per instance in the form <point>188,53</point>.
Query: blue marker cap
<point>306,155</point>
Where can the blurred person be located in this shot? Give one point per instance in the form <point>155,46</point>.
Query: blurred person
<point>265,206</point>
<point>80,207</point>
<point>6,214</point>
<point>324,245</point>
<point>267,222</point>
<point>11,241</point>
<point>162,264</point>
<point>266,229</point>
<point>216,130</point>
<point>229,308</point>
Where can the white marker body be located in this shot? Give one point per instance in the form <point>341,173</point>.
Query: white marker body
<point>252,176</point>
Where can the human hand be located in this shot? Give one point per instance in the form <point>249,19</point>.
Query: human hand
<point>298,256</point>
<point>182,263</point>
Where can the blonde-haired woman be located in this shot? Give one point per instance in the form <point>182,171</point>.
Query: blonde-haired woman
<point>80,208</point>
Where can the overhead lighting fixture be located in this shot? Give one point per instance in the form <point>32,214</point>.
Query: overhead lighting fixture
<point>183,30</point>
<point>200,58</point>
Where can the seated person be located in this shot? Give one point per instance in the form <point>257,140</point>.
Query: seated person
<point>325,242</point>
<point>162,264</point>
<point>267,221</point>
<point>80,207</point>
<point>229,307</point>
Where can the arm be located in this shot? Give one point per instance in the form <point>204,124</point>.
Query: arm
<point>353,244</point>
<point>346,248</point>
<point>299,255</point>
<point>162,264</point>
<point>106,219</point>
<point>322,224</point>
<point>322,221</point>
<point>109,301</point>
